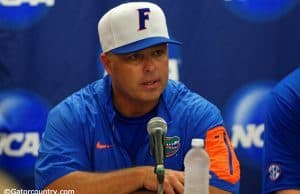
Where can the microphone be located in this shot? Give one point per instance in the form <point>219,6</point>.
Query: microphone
<point>157,128</point>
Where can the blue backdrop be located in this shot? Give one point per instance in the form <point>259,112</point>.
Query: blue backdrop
<point>233,53</point>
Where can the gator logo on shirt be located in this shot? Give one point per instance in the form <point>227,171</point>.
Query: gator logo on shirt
<point>172,145</point>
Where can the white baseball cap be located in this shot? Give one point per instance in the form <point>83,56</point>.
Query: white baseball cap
<point>133,26</point>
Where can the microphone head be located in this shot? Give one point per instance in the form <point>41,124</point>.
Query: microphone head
<point>156,123</point>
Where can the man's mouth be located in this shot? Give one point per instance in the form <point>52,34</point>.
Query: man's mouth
<point>150,82</point>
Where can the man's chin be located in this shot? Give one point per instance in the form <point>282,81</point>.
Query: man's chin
<point>150,98</point>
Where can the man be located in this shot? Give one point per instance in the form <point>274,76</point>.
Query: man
<point>96,140</point>
<point>281,158</point>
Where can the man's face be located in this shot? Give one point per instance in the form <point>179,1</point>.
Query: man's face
<point>139,77</point>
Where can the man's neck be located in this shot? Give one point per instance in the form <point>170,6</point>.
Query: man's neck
<point>129,108</point>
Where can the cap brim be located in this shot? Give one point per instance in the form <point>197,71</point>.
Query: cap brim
<point>142,44</point>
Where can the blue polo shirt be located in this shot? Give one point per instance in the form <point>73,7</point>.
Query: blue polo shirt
<point>281,158</point>
<point>85,133</point>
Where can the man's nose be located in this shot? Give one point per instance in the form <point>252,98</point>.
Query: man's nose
<point>149,64</point>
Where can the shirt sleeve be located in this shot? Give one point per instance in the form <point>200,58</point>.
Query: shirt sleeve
<point>224,165</point>
<point>281,149</point>
<point>63,149</point>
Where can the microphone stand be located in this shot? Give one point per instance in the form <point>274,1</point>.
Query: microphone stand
<point>159,153</point>
<point>160,173</point>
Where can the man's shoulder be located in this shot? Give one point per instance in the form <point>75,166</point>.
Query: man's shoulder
<point>180,93</point>
<point>289,84</point>
<point>285,96</point>
<point>88,96</point>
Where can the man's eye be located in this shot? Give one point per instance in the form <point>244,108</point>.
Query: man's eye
<point>133,57</point>
<point>158,53</point>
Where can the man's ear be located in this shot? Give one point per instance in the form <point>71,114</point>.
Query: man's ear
<point>106,62</point>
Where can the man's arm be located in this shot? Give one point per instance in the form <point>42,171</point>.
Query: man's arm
<point>290,191</point>
<point>215,190</point>
<point>138,180</point>
<point>122,181</point>
<point>212,190</point>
